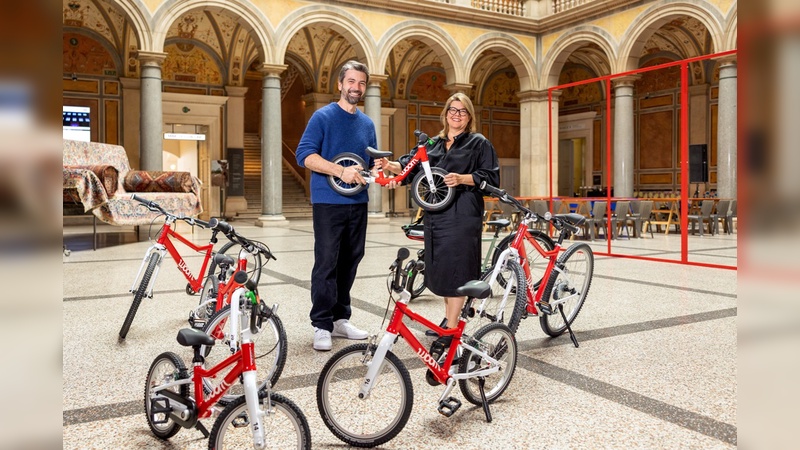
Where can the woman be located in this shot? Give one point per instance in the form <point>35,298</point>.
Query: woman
<point>453,235</point>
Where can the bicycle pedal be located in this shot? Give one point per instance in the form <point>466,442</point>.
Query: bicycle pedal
<point>545,308</point>
<point>449,406</point>
<point>160,406</point>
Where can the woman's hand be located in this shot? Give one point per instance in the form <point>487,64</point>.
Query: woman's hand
<point>452,179</point>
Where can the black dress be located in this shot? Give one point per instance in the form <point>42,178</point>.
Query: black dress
<point>453,235</point>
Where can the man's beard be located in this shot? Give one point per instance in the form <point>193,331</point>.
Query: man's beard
<point>352,97</point>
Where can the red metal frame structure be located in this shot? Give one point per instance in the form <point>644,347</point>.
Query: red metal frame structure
<point>684,150</point>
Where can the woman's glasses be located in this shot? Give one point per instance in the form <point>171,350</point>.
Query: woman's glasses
<point>457,112</point>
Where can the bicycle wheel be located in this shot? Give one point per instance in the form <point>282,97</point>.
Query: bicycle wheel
<point>498,341</point>
<point>140,293</point>
<point>270,345</point>
<point>571,283</point>
<point>207,305</point>
<point>536,262</point>
<point>347,159</point>
<point>370,421</point>
<point>507,302</point>
<point>165,369</point>
<point>285,425</point>
<point>425,197</point>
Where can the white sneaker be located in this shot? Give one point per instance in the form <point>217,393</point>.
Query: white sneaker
<point>343,328</point>
<point>322,339</point>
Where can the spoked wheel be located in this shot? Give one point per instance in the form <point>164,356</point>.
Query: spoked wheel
<point>416,281</point>
<point>536,262</point>
<point>369,421</point>
<point>497,341</point>
<point>507,302</point>
<point>346,159</point>
<point>570,284</point>
<point>165,369</point>
<point>424,195</point>
<point>285,425</point>
<point>270,345</point>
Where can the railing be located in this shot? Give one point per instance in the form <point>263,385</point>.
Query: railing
<point>563,5</point>
<point>510,7</point>
<point>288,161</point>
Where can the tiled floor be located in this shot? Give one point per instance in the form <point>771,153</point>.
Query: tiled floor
<point>656,367</point>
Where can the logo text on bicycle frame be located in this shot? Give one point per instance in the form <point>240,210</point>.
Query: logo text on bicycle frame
<point>222,387</point>
<point>408,168</point>
<point>183,268</point>
<point>428,359</point>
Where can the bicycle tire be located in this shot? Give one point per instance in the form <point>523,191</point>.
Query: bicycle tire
<point>164,370</point>
<point>270,345</point>
<point>140,292</point>
<point>536,262</point>
<point>515,304</point>
<point>499,342</point>
<point>425,198</point>
<point>338,387</point>
<point>576,274</point>
<point>346,159</point>
<point>229,433</point>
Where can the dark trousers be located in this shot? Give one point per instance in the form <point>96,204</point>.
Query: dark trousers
<point>340,232</point>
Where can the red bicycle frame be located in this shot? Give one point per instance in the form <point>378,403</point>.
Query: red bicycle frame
<point>421,156</point>
<point>244,360</point>
<point>164,239</point>
<point>397,326</point>
<point>552,256</point>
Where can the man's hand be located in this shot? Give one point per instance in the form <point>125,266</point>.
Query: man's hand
<point>352,175</point>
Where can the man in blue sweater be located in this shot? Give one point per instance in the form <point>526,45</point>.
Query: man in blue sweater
<point>340,222</point>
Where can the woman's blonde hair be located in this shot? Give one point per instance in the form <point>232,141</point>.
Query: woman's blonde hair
<point>470,109</point>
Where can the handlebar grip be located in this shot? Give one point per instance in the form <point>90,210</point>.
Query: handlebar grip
<point>140,200</point>
<point>220,225</point>
<point>484,186</point>
<point>402,254</point>
<point>250,284</point>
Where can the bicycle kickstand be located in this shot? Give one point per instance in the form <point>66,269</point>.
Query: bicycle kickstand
<point>481,383</point>
<point>571,334</point>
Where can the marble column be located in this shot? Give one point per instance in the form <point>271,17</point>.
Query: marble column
<point>151,118</point>
<point>623,150</point>
<point>534,170</point>
<point>372,107</point>
<point>271,143</point>
<point>726,130</point>
<point>235,136</point>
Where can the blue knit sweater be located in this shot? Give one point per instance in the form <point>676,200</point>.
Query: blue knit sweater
<point>331,131</point>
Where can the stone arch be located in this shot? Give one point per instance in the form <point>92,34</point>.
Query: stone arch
<point>339,20</point>
<point>657,15</point>
<point>731,29</point>
<point>558,54</point>
<point>252,19</point>
<point>440,41</point>
<point>139,17</point>
<point>521,59</point>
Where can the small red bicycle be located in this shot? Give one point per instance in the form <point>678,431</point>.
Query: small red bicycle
<point>258,419</point>
<point>428,188</point>
<point>364,392</point>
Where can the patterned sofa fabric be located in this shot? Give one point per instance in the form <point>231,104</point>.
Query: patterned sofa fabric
<point>153,181</point>
<point>87,176</point>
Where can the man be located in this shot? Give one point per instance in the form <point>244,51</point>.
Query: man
<point>340,222</point>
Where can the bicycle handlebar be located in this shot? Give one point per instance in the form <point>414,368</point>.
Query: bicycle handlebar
<point>155,207</point>
<point>397,285</point>
<point>251,246</point>
<point>557,221</point>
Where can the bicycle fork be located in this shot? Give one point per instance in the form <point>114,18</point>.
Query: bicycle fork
<point>155,248</point>
<point>376,364</point>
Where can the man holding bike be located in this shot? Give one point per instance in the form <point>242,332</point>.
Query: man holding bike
<point>340,222</point>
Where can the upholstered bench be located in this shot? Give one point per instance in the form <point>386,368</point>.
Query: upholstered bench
<point>99,177</point>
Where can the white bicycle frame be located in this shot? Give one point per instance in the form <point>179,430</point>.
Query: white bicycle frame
<point>506,254</point>
<point>156,247</point>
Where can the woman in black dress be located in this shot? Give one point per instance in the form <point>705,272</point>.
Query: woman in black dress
<point>453,235</point>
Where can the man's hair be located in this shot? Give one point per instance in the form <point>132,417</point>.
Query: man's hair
<point>353,65</point>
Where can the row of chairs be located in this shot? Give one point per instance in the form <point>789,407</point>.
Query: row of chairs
<point>637,215</point>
